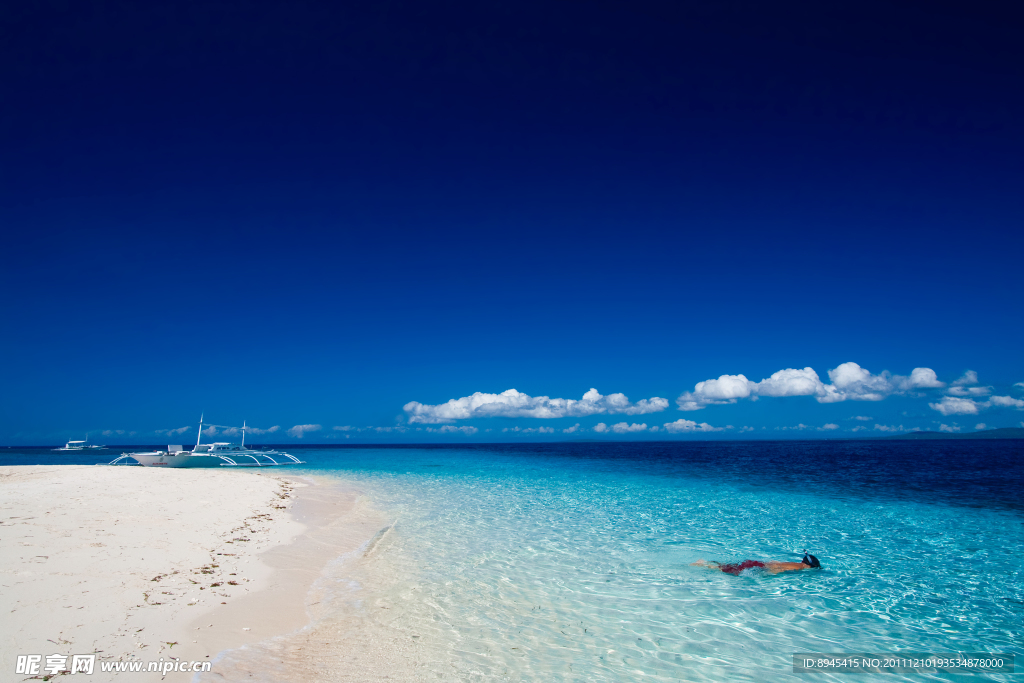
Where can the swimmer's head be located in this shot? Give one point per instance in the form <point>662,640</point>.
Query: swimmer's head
<point>811,561</point>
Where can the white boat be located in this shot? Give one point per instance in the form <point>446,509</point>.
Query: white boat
<point>80,446</point>
<point>218,454</point>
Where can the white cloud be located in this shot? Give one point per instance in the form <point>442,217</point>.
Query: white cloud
<point>298,431</point>
<point>526,430</point>
<point>257,430</point>
<point>947,428</point>
<point>654,428</point>
<point>858,428</point>
<point>862,418</point>
<point>348,430</point>
<point>828,427</point>
<point>980,426</point>
<point>222,430</point>
<point>969,377</point>
<point>1019,385</point>
<point>920,378</point>
<point>725,389</point>
<point>790,382</point>
<point>600,428</point>
<point>112,432</point>
<point>746,429</point>
<point>682,425</point>
<point>962,387</point>
<point>800,427</point>
<point>449,429</point>
<point>951,405</point>
<point>173,432</point>
<point>849,382</point>
<point>573,429</point>
<point>513,403</point>
<point>1006,402</point>
<point>969,391</point>
<point>889,428</point>
<point>625,428</point>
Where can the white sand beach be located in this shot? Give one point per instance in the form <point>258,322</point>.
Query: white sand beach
<point>139,564</point>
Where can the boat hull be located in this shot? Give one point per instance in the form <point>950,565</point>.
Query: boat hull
<point>178,460</point>
<point>229,459</point>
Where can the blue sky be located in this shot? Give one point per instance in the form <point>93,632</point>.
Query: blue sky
<point>307,214</point>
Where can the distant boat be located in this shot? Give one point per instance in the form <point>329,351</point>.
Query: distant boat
<point>80,446</point>
<point>218,454</point>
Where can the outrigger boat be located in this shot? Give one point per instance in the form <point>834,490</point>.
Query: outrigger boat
<point>80,446</point>
<point>217,454</point>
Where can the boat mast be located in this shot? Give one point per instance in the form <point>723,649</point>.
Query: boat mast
<point>200,430</point>
<point>243,434</point>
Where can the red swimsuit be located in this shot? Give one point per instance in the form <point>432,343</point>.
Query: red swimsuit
<point>735,569</point>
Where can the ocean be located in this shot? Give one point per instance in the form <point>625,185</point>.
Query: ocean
<point>571,561</point>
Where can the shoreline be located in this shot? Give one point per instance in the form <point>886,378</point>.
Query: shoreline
<point>339,524</point>
<point>142,564</point>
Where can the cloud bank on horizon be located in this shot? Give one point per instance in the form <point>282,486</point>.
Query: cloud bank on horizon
<point>965,396</point>
<point>514,403</point>
<point>299,431</point>
<point>848,382</point>
<point>212,430</point>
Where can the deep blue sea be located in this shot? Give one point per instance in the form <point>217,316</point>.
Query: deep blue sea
<point>571,562</point>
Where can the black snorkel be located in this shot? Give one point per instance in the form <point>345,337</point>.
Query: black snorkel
<point>811,561</point>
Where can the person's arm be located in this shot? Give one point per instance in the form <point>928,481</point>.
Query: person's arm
<point>778,567</point>
<point>705,563</point>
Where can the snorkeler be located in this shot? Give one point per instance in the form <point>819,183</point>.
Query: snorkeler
<point>772,566</point>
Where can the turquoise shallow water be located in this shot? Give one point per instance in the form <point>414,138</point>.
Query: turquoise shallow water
<point>572,562</point>
<point>568,564</point>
